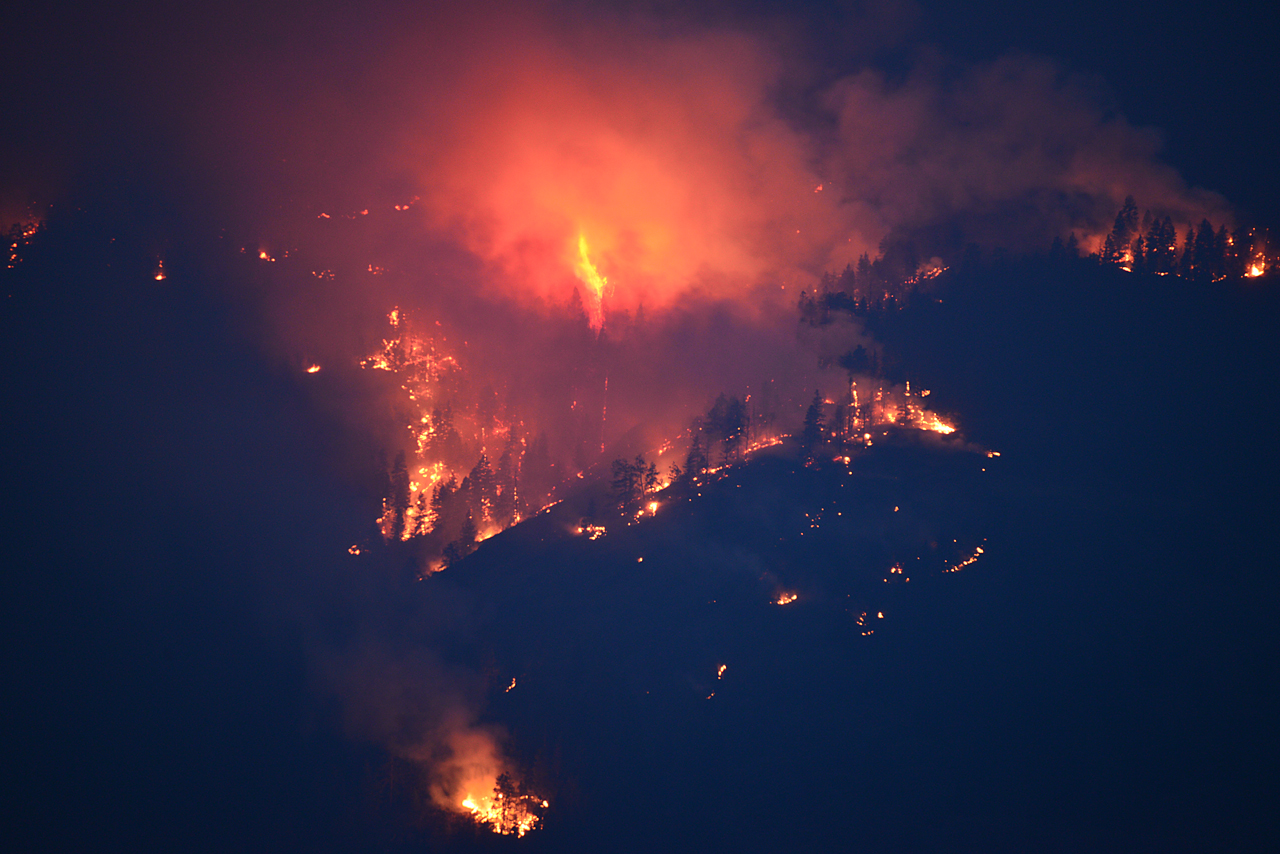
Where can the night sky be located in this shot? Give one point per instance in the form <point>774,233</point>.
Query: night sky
<point>195,659</point>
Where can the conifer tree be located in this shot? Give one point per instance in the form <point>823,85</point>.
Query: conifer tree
<point>695,463</point>
<point>811,434</point>
<point>1187,261</point>
<point>399,498</point>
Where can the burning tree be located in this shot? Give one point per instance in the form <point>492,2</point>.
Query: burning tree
<point>511,809</point>
<point>633,482</point>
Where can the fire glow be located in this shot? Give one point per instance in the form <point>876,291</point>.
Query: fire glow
<point>596,284</point>
<point>507,811</point>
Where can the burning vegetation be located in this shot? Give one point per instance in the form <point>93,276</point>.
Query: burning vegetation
<point>511,809</point>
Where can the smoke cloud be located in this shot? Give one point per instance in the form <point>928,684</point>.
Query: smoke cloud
<point>712,170</point>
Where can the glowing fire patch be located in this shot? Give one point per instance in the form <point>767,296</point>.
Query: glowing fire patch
<point>508,811</point>
<point>971,559</point>
<point>313,369</point>
<point>785,598</point>
<point>596,284</point>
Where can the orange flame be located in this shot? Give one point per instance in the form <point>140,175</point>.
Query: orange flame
<point>595,283</point>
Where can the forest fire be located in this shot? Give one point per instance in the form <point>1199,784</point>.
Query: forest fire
<point>596,284</point>
<point>509,810</point>
<point>969,561</point>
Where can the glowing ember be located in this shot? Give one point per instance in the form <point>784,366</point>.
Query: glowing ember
<point>785,598</point>
<point>596,284</point>
<point>967,561</point>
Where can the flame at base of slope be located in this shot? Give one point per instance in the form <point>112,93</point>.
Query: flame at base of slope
<point>474,782</point>
<point>507,814</point>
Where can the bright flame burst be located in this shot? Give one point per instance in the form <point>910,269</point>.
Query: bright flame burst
<point>509,810</point>
<point>596,284</point>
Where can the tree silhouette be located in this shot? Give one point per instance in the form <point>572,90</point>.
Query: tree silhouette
<point>695,463</point>
<point>811,434</point>
<point>504,502</point>
<point>399,498</point>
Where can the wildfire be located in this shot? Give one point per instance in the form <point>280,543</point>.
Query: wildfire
<point>967,561</point>
<point>508,810</point>
<point>936,424</point>
<point>596,284</point>
<point>19,236</point>
<point>1256,269</point>
<point>313,369</point>
<point>785,598</point>
<point>160,274</point>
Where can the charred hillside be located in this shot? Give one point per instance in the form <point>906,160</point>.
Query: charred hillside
<point>748,602</point>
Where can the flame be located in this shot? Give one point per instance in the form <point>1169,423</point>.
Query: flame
<point>971,559</point>
<point>1256,269</point>
<point>785,598</point>
<point>596,284</point>
<point>507,812</point>
<point>313,369</point>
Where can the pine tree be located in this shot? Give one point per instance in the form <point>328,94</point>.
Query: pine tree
<point>1161,246</point>
<point>1187,261</point>
<point>734,429</point>
<point>482,483</point>
<point>811,434</point>
<point>1139,253</point>
<point>1206,263</point>
<point>1117,243</point>
<point>399,497</point>
<point>421,514</point>
<point>504,503</point>
<point>628,482</point>
<point>651,479</point>
<point>695,463</point>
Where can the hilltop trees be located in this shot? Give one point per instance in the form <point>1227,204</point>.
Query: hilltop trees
<point>399,497</point>
<point>727,421</point>
<point>632,482</point>
<point>695,462</point>
<point>1203,254</point>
